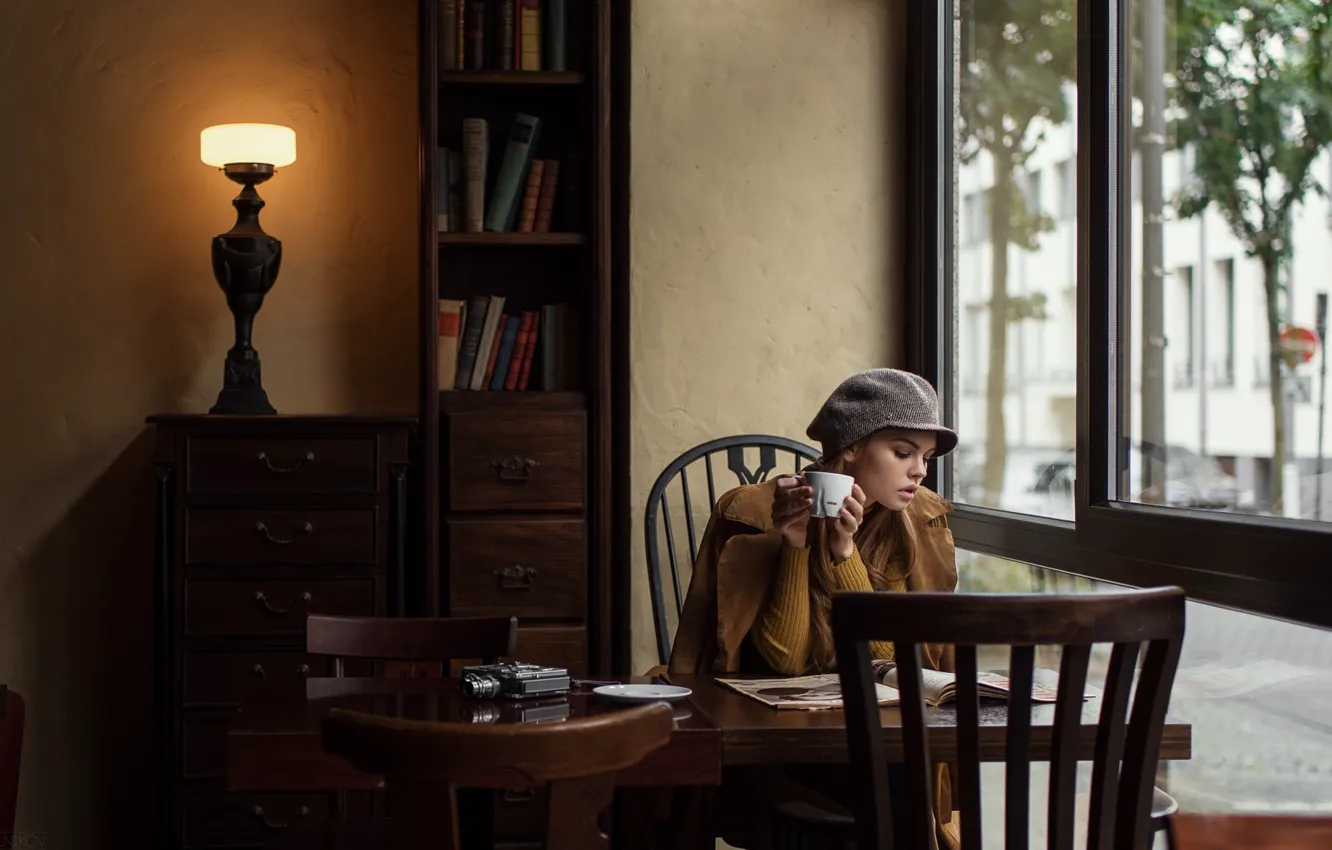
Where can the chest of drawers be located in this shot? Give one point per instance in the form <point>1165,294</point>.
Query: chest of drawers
<point>261,521</point>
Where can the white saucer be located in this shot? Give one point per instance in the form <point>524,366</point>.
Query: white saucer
<point>641,693</point>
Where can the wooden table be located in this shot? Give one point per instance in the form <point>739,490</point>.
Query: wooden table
<point>755,734</point>
<point>273,743</point>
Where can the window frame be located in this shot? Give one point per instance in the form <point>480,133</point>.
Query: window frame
<point>1264,565</point>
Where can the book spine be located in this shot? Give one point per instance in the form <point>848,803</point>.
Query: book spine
<point>553,16</point>
<point>527,219</point>
<point>546,200</point>
<point>526,373</point>
<point>504,35</point>
<point>531,35</point>
<point>486,355</point>
<point>476,35</point>
<point>504,199</point>
<point>476,146</point>
<point>549,341</point>
<point>520,344</point>
<point>507,341</point>
<point>470,344</point>
<point>448,35</point>
<point>450,317</point>
<point>495,342</point>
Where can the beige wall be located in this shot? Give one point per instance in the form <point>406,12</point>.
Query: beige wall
<point>764,213</point>
<point>765,216</point>
<point>109,312</point>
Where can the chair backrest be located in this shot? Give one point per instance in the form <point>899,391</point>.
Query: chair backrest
<point>774,455</point>
<point>11,749</point>
<point>424,762</point>
<point>434,639</point>
<point>1126,745</point>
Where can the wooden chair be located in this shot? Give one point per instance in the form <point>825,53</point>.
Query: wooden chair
<point>773,452</point>
<point>12,713</point>
<point>424,763</point>
<point>414,640</point>
<point>1126,745</point>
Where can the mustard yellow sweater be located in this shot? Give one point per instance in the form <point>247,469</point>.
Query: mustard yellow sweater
<point>782,632</point>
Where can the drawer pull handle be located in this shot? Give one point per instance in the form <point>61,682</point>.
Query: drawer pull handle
<point>257,671</point>
<point>262,457</point>
<point>263,600</point>
<point>515,577</point>
<point>519,795</point>
<point>301,813</point>
<point>260,528</point>
<point>515,468</point>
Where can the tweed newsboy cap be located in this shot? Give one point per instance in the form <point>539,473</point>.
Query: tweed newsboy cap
<point>876,399</point>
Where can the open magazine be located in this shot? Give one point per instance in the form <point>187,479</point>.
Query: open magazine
<point>941,687</point>
<point>825,690</point>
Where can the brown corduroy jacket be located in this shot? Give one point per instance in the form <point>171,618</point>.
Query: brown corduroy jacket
<point>734,572</point>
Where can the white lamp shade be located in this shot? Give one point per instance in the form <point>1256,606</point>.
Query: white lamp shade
<point>270,144</point>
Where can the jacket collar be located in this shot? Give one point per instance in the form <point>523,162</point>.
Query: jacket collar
<point>751,505</point>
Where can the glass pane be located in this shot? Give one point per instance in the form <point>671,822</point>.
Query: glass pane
<point>1013,290</point>
<point>1225,258</point>
<point>1254,690</point>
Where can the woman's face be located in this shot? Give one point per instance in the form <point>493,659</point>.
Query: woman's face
<point>890,465</point>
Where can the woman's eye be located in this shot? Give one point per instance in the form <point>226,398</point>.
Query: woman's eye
<point>902,455</point>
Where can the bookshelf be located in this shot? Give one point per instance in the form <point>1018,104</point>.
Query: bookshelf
<point>530,468</point>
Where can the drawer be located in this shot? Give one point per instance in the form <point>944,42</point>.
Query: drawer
<point>270,607</point>
<point>522,568</point>
<point>268,819</point>
<point>259,536</point>
<point>227,676</point>
<point>520,812</point>
<point>515,459</point>
<point>218,465</point>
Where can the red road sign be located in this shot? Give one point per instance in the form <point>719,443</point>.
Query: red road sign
<point>1298,344</point>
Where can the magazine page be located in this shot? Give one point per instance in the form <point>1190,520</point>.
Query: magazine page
<point>803,693</point>
<point>998,685</point>
<point>938,684</point>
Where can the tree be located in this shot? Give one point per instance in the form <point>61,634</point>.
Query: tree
<point>1251,98</point>
<point>1015,58</point>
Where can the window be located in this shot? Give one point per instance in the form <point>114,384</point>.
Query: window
<point>1021,457</point>
<point>1122,418</point>
<point>1252,688</point>
<point>1219,344</point>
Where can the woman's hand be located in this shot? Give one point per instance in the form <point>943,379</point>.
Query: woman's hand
<point>842,528</point>
<point>790,509</point>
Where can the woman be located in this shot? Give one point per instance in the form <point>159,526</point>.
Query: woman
<point>759,601</point>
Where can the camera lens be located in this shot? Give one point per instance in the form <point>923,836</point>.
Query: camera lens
<point>477,686</point>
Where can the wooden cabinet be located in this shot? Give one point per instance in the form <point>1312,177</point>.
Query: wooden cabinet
<point>260,522</point>
<point>515,539</point>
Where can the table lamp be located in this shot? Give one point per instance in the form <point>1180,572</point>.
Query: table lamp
<point>245,258</point>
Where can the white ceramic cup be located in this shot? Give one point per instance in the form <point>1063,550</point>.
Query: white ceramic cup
<point>830,491</point>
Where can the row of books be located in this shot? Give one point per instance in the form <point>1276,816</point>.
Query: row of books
<point>483,346</point>
<point>502,35</point>
<point>522,198</point>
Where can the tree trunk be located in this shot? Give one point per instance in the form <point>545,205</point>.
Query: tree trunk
<point>996,434</point>
<point>1276,386</point>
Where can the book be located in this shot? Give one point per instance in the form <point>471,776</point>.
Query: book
<point>475,153</point>
<point>450,324</point>
<point>824,691</point>
<point>506,196</point>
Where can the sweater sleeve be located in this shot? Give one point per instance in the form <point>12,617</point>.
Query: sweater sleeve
<point>852,574</point>
<point>782,632</point>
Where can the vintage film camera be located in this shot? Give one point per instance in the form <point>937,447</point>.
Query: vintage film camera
<point>513,680</point>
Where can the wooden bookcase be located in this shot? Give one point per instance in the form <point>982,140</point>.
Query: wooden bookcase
<point>525,493</point>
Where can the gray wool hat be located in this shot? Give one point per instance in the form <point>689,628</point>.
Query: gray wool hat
<point>876,399</point>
